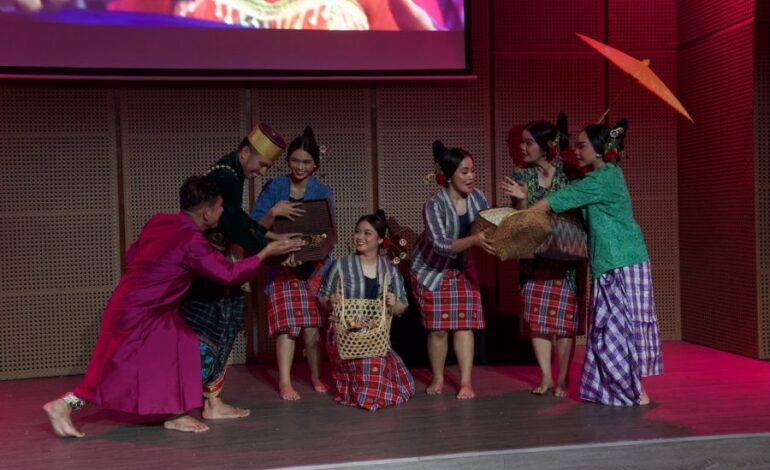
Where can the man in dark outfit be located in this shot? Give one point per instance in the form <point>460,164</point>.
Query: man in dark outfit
<point>216,312</point>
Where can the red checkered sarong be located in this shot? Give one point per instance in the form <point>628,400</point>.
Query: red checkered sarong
<point>370,383</point>
<point>456,305</point>
<point>292,304</point>
<point>550,300</point>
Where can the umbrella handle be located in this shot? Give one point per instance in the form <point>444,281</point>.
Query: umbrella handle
<point>603,116</point>
<point>618,94</point>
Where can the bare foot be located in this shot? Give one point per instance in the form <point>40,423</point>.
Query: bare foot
<point>185,423</point>
<point>287,392</point>
<point>215,408</point>
<point>435,387</point>
<point>644,399</point>
<point>319,386</point>
<point>541,389</point>
<point>466,392</point>
<point>561,392</point>
<point>58,412</point>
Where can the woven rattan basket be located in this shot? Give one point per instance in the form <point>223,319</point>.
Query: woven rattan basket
<point>515,234</point>
<point>521,233</point>
<point>362,326</point>
<point>489,219</point>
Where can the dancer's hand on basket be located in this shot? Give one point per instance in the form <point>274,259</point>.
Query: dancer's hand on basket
<point>390,300</point>
<point>332,301</point>
<point>485,243</point>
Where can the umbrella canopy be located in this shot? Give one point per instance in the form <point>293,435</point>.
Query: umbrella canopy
<point>640,70</point>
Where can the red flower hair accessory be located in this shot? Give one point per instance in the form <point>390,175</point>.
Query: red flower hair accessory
<point>553,150</point>
<point>440,176</point>
<point>611,151</point>
<point>554,147</point>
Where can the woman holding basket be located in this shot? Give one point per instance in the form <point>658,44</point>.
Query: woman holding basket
<point>382,380</point>
<point>443,277</point>
<point>624,339</point>
<point>548,287</point>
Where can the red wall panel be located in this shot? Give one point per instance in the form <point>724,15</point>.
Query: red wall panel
<point>648,25</point>
<point>716,190</point>
<point>546,25</point>
<point>698,18</point>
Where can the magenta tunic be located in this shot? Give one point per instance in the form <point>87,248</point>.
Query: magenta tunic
<point>147,360</point>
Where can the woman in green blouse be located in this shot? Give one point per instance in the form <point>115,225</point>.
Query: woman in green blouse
<point>624,341</point>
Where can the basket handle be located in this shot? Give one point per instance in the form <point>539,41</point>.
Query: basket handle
<point>341,290</point>
<point>385,282</point>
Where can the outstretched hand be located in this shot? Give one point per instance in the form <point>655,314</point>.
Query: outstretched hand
<point>514,189</point>
<point>281,247</point>
<point>288,209</point>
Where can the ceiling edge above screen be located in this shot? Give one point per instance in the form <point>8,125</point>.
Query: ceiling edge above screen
<point>35,48</point>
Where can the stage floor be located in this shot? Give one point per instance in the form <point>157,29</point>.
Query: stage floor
<point>703,392</point>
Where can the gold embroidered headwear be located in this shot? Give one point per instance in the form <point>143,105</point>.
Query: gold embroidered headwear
<point>267,142</point>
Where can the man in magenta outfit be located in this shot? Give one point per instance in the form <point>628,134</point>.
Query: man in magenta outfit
<point>147,359</point>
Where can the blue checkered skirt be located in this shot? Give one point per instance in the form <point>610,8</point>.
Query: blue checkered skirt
<point>623,340</point>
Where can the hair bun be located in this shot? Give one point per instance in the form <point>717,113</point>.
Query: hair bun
<point>563,129</point>
<point>308,132</point>
<point>439,149</point>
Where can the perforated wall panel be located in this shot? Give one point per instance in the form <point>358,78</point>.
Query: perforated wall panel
<point>409,118</point>
<point>547,25</point>
<point>651,173</point>
<point>169,133</point>
<point>698,18</point>
<point>762,172</point>
<point>649,25</point>
<point>717,232</point>
<point>59,236</point>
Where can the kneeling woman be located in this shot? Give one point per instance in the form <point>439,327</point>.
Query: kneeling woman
<point>374,382</point>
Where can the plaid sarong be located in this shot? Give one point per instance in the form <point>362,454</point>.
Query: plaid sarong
<point>370,383</point>
<point>217,320</point>
<point>456,305</point>
<point>624,340</point>
<point>549,297</point>
<point>292,304</point>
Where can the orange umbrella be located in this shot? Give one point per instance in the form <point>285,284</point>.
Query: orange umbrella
<point>640,70</point>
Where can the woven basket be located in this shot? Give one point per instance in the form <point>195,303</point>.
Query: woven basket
<point>362,326</point>
<point>489,219</point>
<point>520,233</point>
<point>569,240</point>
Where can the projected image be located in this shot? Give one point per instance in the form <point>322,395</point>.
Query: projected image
<point>331,15</point>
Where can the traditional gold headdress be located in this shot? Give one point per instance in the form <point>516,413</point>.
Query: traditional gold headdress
<point>267,142</point>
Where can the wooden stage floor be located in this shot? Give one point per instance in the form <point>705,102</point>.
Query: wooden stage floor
<point>703,392</point>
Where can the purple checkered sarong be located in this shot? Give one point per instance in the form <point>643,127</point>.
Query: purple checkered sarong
<point>624,341</point>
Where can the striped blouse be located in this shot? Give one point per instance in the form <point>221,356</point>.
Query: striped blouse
<point>353,278</point>
<point>433,253</point>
